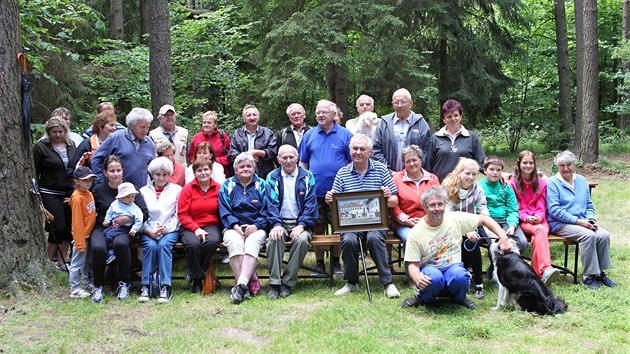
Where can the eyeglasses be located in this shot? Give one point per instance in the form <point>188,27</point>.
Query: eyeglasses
<point>365,104</point>
<point>400,103</point>
<point>323,113</point>
<point>434,206</point>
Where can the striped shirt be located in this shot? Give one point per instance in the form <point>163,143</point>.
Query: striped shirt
<point>348,179</point>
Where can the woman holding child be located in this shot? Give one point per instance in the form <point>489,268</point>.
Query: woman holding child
<point>161,230</point>
<point>243,205</point>
<point>198,211</point>
<point>571,214</point>
<point>531,193</point>
<point>104,195</point>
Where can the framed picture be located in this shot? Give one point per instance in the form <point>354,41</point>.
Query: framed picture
<point>359,211</point>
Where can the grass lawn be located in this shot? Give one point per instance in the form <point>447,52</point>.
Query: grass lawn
<point>314,320</point>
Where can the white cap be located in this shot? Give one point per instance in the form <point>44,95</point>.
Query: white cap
<point>126,189</point>
<point>166,108</point>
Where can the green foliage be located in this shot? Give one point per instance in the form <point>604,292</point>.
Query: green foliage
<point>120,73</point>
<point>60,27</point>
<point>299,42</point>
<point>207,54</point>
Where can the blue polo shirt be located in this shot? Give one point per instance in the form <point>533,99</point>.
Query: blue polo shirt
<point>325,153</point>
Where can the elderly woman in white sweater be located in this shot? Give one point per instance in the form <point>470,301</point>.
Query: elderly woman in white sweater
<point>161,230</point>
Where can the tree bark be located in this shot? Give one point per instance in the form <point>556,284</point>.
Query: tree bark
<point>338,83</point>
<point>579,70</point>
<point>564,73</point>
<point>116,19</point>
<point>22,241</point>
<point>160,55</point>
<point>625,64</point>
<point>144,21</point>
<point>587,145</point>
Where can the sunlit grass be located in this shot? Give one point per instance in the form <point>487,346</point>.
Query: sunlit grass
<point>314,320</point>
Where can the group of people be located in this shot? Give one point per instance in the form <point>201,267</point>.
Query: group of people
<point>256,187</point>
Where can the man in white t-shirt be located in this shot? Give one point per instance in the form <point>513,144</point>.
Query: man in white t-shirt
<point>433,253</point>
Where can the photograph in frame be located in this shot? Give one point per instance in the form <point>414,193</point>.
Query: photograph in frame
<point>359,211</point>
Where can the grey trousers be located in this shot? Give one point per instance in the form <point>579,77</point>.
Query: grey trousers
<point>275,255</point>
<point>594,247</point>
<point>350,252</point>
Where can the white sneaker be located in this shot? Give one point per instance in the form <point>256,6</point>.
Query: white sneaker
<point>79,294</point>
<point>391,291</point>
<point>347,289</point>
<point>550,275</point>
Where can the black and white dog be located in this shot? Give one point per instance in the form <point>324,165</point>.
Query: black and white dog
<point>519,285</point>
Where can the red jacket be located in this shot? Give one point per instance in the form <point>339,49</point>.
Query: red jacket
<point>409,204</point>
<point>215,140</point>
<point>196,209</point>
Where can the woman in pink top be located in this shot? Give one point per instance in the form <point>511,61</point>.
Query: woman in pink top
<point>531,192</point>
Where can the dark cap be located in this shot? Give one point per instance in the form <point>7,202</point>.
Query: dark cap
<point>83,172</point>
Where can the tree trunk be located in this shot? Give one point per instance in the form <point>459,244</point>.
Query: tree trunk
<point>625,64</point>
<point>338,83</point>
<point>116,19</point>
<point>579,70</point>
<point>564,73</point>
<point>587,149</point>
<point>22,240</point>
<point>160,55</point>
<point>144,21</point>
<point>442,55</point>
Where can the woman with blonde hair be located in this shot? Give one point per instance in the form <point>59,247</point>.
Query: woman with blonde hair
<point>53,171</point>
<point>466,196</point>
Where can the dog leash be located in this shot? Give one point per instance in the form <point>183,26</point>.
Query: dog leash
<point>474,244</point>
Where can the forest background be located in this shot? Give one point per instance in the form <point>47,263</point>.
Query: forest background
<point>499,58</point>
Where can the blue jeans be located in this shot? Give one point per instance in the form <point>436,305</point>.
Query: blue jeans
<point>452,281</point>
<point>158,252</point>
<point>402,232</point>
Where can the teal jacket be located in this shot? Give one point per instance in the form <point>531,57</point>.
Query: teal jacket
<point>502,203</point>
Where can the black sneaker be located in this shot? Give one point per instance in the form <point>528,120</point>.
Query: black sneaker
<point>144,294</point>
<point>165,294</point>
<point>337,269</point>
<point>196,288</point>
<point>604,279</point>
<point>237,293</point>
<point>272,294</point>
<point>468,304</point>
<point>410,302</point>
<point>591,283</point>
<point>320,268</point>
<point>285,291</point>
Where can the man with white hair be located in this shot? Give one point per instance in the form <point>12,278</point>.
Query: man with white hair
<point>132,145</point>
<point>168,131</point>
<point>293,134</point>
<point>364,174</point>
<point>398,130</point>
<point>364,104</point>
<point>292,190</point>
<point>323,151</point>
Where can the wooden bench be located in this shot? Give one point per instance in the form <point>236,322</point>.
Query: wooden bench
<point>564,269</point>
<point>330,241</point>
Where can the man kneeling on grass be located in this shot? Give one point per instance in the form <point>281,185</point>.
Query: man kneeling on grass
<point>433,252</point>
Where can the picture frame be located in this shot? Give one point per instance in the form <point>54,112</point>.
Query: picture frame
<point>359,211</point>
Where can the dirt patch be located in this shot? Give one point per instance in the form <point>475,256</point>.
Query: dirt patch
<point>596,171</point>
<point>244,336</point>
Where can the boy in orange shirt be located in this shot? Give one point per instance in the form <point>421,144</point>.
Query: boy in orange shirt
<point>83,220</point>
